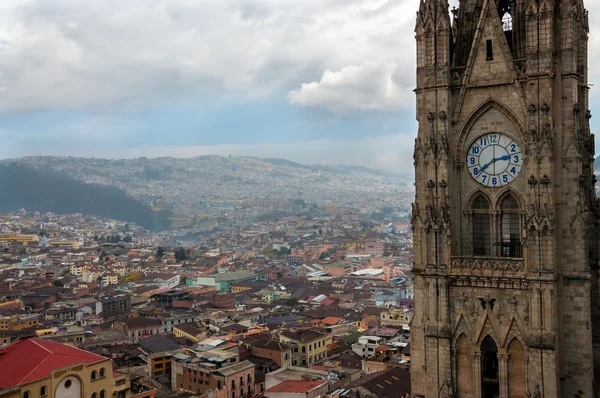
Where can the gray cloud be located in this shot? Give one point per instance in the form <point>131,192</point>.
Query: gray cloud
<point>60,54</point>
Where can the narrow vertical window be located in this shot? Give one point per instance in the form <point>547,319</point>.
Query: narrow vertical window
<point>489,50</point>
<point>510,229</point>
<point>481,227</point>
<point>490,383</point>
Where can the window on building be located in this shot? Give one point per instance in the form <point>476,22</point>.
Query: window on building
<point>510,228</point>
<point>102,394</point>
<point>507,22</point>
<point>481,226</point>
<point>304,349</point>
<point>233,394</point>
<point>490,382</point>
<point>95,395</point>
<point>26,394</point>
<point>489,47</point>
<point>102,372</point>
<point>94,375</point>
<point>43,391</point>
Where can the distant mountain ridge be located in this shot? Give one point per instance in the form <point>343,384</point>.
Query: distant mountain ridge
<point>188,185</point>
<point>47,191</point>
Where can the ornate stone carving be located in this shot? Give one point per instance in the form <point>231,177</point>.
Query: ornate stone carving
<point>487,264</point>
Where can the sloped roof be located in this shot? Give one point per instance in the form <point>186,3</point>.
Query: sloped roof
<point>297,386</point>
<point>390,383</point>
<point>159,343</point>
<point>33,359</point>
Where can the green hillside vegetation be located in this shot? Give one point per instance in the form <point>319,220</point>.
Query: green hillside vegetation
<point>34,190</point>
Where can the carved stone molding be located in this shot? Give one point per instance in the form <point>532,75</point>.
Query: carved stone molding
<point>488,265</point>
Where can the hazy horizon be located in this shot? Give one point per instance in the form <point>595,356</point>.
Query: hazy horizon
<point>317,81</point>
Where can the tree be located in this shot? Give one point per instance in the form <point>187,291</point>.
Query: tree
<point>127,239</point>
<point>180,254</point>
<point>160,252</point>
<point>59,284</point>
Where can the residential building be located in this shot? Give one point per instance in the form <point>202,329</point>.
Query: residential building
<point>138,328</point>
<point>201,372</point>
<point>158,351</point>
<point>113,305</point>
<point>298,389</point>
<point>264,347</point>
<point>191,331</point>
<point>311,345</point>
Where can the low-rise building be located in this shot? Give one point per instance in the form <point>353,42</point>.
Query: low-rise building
<point>264,347</point>
<point>38,368</point>
<point>311,346</point>
<point>138,328</point>
<point>298,389</point>
<point>158,351</point>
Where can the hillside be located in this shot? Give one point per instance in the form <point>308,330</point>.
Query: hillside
<point>46,191</point>
<point>191,185</point>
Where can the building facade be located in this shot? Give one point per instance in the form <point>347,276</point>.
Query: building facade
<point>505,216</point>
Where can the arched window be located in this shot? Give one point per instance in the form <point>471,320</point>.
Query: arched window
<point>102,394</point>
<point>95,395</point>
<point>43,391</point>
<point>490,381</point>
<point>464,367</point>
<point>481,226</point>
<point>510,228</point>
<point>507,22</point>
<point>94,375</point>
<point>26,394</point>
<point>102,372</point>
<point>517,370</point>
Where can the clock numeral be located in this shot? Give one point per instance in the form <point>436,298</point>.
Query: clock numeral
<point>475,171</point>
<point>513,148</point>
<point>493,139</point>
<point>483,141</point>
<point>483,177</point>
<point>513,170</point>
<point>472,160</point>
<point>516,159</point>
<point>494,181</point>
<point>505,178</point>
<point>475,150</point>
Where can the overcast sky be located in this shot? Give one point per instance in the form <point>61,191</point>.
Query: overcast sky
<point>315,81</point>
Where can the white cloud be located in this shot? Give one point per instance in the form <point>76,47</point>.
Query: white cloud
<point>58,54</point>
<point>369,86</point>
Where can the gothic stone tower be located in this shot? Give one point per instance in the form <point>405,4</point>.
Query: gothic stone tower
<point>505,218</point>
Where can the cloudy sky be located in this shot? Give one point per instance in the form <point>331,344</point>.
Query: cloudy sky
<point>315,81</point>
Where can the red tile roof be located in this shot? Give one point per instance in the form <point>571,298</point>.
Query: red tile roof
<point>33,359</point>
<point>297,386</point>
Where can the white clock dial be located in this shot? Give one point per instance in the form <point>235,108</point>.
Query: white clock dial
<point>494,160</point>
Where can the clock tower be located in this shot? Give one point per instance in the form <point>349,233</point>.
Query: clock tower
<point>505,218</point>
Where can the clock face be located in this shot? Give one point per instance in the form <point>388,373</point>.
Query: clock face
<point>494,160</point>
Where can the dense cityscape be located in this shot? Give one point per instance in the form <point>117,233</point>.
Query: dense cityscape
<point>211,199</point>
<point>260,295</point>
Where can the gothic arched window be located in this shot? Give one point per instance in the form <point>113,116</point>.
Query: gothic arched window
<point>490,381</point>
<point>507,22</point>
<point>510,228</point>
<point>481,226</point>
